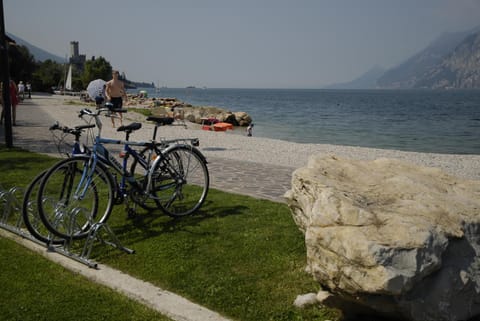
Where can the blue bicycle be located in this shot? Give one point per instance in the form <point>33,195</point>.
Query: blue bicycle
<point>79,192</point>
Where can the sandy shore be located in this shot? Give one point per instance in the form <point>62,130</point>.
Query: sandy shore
<point>228,145</point>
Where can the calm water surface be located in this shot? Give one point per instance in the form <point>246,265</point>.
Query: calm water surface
<point>412,120</point>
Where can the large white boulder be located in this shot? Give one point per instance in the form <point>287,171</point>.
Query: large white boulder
<point>390,237</point>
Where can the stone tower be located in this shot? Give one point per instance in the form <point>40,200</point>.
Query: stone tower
<point>75,58</point>
<point>73,49</point>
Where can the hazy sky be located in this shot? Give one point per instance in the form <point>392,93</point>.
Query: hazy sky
<point>242,43</point>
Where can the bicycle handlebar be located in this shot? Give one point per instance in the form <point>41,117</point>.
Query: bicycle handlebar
<point>88,112</point>
<point>75,130</point>
<point>95,115</point>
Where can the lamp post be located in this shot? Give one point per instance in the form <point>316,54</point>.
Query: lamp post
<point>7,106</point>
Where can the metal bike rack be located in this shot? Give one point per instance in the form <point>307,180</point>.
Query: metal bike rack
<point>10,212</point>
<point>10,207</point>
<point>96,233</point>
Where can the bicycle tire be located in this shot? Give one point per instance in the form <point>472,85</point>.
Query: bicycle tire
<point>65,211</point>
<point>180,180</point>
<point>30,215</point>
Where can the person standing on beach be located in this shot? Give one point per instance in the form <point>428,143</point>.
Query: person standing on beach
<point>21,90</point>
<point>14,101</point>
<point>29,90</point>
<point>250,130</point>
<point>115,92</point>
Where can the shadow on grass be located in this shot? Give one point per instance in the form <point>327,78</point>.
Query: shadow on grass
<point>147,225</point>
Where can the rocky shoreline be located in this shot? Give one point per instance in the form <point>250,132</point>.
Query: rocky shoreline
<point>195,114</point>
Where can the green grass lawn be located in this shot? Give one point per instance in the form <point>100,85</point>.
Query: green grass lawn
<point>240,256</point>
<point>34,288</point>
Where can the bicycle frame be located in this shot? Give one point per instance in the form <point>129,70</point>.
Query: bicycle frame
<point>100,153</point>
<point>103,155</point>
<point>108,159</point>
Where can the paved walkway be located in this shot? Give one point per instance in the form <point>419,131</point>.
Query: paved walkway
<point>249,178</point>
<point>259,180</point>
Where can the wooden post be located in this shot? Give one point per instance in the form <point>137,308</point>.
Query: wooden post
<point>7,106</point>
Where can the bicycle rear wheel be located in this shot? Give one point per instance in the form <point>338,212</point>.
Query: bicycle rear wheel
<point>73,197</point>
<point>180,181</point>
<point>30,214</point>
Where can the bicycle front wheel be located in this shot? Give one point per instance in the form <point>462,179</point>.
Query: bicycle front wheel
<point>180,181</point>
<point>74,196</point>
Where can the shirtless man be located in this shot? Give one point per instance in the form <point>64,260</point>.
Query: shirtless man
<point>115,91</point>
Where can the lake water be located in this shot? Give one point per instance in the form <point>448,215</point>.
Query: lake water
<point>412,120</point>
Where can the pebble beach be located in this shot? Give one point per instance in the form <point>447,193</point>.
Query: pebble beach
<point>223,145</point>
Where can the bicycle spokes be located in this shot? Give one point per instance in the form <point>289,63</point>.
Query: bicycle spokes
<point>180,181</point>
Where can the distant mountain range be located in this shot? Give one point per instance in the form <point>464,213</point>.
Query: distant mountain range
<point>459,69</point>
<point>42,55</point>
<point>366,81</point>
<point>451,61</point>
<point>38,53</point>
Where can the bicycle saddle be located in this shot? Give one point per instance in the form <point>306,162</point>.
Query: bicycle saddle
<point>129,128</point>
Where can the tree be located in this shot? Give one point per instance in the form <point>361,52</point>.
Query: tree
<point>45,75</point>
<point>21,63</point>
<point>48,74</point>
<point>97,68</point>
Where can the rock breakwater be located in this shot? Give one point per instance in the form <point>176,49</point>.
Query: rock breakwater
<point>195,114</point>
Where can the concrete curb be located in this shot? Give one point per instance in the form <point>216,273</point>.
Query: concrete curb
<point>165,302</point>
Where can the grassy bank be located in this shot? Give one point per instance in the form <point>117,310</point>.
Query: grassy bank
<point>239,256</point>
<point>34,288</point>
